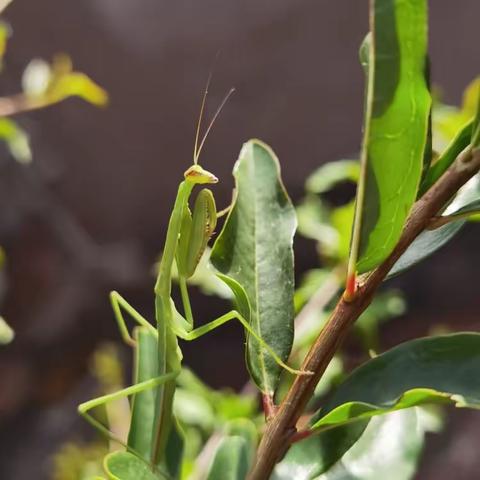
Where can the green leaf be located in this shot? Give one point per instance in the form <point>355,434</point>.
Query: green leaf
<point>126,466</point>
<point>16,140</point>
<point>231,460</point>
<point>6,332</point>
<point>254,249</point>
<point>327,176</point>
<point>315,455</point>
<point>466,202</point>
<point>443,369</point>
<point>390,448</point>
<point>476,121</point>
<point>425,245</point>
<point>144,403</point>
<point>140,436</point>
<point>455,147</point>
<point>49,84</point>
<point>396,127</point>
<point>448,120</point>
<point>245,428</point>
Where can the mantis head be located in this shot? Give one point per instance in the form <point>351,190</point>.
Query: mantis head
<point>197,175</point>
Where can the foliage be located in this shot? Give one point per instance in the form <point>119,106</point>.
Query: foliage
<point>362,424</point>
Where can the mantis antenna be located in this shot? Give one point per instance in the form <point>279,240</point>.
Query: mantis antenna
<point>198,148</point>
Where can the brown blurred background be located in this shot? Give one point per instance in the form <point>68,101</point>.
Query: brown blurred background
<point>89,214</point>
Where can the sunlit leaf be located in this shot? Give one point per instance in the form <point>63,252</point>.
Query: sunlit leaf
<point>6,332</point>
<point>47,84</point>
<point>255,249</point>
<point>313,456</point>
<point>448,120</point>
<point>36,77</point>
<point>16,140</point>
<point>390,448</point>
<point>396,125</point>
<point>460,141</point>
<point>443,369</point>
<point>126,466</point>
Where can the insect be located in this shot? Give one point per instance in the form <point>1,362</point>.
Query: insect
<point>158,357</point>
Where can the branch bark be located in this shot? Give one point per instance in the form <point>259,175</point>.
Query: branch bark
<point>282,426</point>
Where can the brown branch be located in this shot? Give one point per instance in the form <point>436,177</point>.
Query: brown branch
<point>282,427</point>
<point>20,103</point>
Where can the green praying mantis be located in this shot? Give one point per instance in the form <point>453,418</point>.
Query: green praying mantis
<point>158,357</point>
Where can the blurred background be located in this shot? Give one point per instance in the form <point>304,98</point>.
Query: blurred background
<point>89,214</point>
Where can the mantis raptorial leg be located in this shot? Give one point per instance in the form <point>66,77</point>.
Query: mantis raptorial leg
<point>187,236</point>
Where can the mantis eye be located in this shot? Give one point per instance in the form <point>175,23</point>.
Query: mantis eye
<point>196,174</point>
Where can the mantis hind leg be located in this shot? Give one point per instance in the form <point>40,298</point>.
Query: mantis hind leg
<point>84,408</point>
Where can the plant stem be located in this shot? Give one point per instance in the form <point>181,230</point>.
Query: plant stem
<point>282,426</point>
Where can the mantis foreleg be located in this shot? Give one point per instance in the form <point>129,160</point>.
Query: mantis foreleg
<point>119,303</point>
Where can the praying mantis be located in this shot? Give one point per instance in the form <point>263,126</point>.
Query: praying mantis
<point>158,357</point>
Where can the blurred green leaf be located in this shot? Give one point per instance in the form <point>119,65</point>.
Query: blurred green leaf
<point>396,126</point>
<point>389,448</point>
<point>6,333</point>
<point>342,220</point>
<point>4,34</point>
<point>205,278</point>
<point>255,249</point>
<point>231,460</point>
<point>385,305</point>
<point>245,428</point>
<point>16,140</point>
<point>448,120</point>
<point>441,369</point>
<point>327,176</point>
<point>313,456</point>
<point>314,222</point>
<point>47,84</point>
<point>311,281</point>
<point>193,409</point>
<point>126,466</point>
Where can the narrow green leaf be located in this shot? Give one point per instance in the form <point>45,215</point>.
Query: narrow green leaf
<point>140,436</point>
<point>425,245</point>
<point>143,404</point>
<point>438,168</point>
<point>466,202</point>
<point>396,126</point>
<point>126,466</point>
<point>254,249</point>
<point>443,369</point>
<point>231,460</point>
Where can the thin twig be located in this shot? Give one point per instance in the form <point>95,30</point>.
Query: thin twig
<point>20,103</point>
<point>282,427</point>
